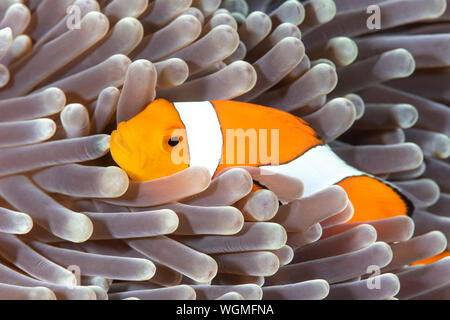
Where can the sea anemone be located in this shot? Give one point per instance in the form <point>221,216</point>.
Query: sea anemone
<point>74,226</point>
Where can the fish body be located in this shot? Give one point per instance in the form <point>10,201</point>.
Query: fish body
<point>166,138</point>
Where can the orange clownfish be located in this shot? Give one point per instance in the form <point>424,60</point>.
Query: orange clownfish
<point>166,138</point>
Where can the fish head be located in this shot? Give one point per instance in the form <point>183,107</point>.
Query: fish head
<point>151,145</point>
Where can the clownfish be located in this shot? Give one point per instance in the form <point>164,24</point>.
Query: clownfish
<point>166,138</point>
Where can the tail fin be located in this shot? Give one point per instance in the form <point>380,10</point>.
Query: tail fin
<point>374,199</point>
<point>432,259</point>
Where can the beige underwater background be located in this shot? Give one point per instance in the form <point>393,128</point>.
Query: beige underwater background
<point>73,226</point>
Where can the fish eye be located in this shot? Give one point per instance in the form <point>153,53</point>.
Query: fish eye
<point>173,141</point>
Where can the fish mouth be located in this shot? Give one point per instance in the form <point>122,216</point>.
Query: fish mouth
<point>121,142</point>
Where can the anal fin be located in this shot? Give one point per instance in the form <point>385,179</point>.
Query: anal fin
<point>374,199</point>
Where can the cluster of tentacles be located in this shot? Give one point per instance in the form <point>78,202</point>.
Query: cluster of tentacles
<point>72,224</point>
